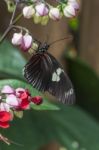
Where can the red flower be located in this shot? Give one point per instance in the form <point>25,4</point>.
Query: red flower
<point>5,117</point>
<point>24,96</point>
<point>37,100</point>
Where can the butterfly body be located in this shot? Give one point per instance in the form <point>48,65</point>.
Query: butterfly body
<point>45,73</point>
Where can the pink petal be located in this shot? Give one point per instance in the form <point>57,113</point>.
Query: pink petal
<point>7,90</point>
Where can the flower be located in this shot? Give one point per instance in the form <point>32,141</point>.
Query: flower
<point>42,9</point>
<point>26,42</point>
<point>74,3</point>
<point>28,12</point>
<point>37,100</point>
<point>5,117</point>
<point>55,14</point>
<point>69,11</point>
<point>17,39</point>
<point>7,90</point>
<point>13,101</point>
<point>25,100</point>
<point>4,107</point>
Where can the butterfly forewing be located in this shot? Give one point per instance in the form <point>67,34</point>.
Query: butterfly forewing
<point>45,74</point>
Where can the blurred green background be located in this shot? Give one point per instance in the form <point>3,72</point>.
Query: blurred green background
<point>55,126</point>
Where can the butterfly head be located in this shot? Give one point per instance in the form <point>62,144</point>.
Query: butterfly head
<point>44,47</point>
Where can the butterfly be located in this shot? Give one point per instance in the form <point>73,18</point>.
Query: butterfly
<point>45,73</point>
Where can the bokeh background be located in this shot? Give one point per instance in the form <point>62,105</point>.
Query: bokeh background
<point>72,127</point>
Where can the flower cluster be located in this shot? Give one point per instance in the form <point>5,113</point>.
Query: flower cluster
<point>42,11</point>
<point>14,100</point>
<point>23,41</point>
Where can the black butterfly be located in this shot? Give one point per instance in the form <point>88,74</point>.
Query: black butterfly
<point>45,73</point>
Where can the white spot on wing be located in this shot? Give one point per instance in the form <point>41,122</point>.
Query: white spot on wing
<point>59,71</point>
<point>69,93</point>
<point>56,75</point>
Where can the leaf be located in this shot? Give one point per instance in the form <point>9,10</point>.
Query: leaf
<point>86,84</point>
<point>11,61</point>
<point>46,105</point>
<point>68,126</point>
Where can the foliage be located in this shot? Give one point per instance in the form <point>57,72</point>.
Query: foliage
<point>70,126</point>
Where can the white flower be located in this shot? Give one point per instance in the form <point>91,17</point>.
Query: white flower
<point>13,101</point>
<point>42,9</point>
<point>74,3</point>
<point>7,90</point>
<point>55,14</point>
<point>69,11</point>
<point>4,107</point>
<point>28,12</point>
<point>17,38</point>
<point>26,42</point>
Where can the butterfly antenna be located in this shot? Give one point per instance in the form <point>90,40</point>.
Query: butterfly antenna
<point>66,38</point>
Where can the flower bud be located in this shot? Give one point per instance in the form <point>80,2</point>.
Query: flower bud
<point>42,9</point>
<point>26,42</point>
<point>37,100</point>
<point>55,14</point>
<point>28,12</point>
<point>69,11</point>
<point>74,3</point>
<point>17,38</point>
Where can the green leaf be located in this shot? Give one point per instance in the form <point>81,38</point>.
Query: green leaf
<point>86,84</point>
<point>46,105</point>
<point>11,61</point>
<point>70,127</point>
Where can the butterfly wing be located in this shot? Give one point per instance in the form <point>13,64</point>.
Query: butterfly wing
<point>60,85</point>
<point>37,72</point>
<point>45,74</point>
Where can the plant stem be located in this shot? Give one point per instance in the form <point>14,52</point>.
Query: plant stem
<point>5,33</point>
<point>12,22</point>
<point>13,14</point>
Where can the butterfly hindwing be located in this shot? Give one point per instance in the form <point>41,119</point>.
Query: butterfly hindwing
<point>45,74</point>
<point>60,85</point>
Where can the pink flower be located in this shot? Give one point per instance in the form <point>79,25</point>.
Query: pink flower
<point>19,91</point>
<point>26,42</point>
<point>42,9</point>
<point>7,90</point>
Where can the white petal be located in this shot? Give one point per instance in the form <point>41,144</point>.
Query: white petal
<point>4,107</point>
<point>12,100</point>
